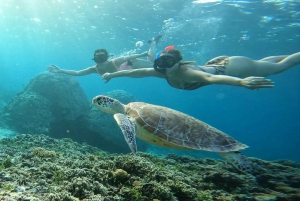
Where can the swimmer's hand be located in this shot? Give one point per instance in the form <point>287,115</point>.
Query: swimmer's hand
<point>53,69</point>
<point>106,77</point>
<point>146,54</point>
<point>257,83</point>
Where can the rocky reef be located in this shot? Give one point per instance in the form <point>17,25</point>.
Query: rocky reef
<point>45,99</point>
<point>41,168</point>
<point>5,96</point>
<point>55,104</point>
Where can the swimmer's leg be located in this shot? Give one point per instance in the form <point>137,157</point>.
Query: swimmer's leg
<point>152,49</point>
<point>269,68</point>
<point>141,63</point>
<point>152,52</point>
<point>274,59</point>
<point>245,67</point>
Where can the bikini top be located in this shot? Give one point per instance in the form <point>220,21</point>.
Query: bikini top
<point>124,66</point>
<point>187,86</point>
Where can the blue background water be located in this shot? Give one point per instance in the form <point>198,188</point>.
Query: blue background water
<point>38,33</point>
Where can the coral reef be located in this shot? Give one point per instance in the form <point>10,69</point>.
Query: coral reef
<point>40,168</point>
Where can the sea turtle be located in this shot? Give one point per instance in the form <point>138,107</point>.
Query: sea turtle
<point>170,128</point>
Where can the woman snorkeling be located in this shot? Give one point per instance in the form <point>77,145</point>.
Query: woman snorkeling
<point>103,65</point>
<point>236,70</point>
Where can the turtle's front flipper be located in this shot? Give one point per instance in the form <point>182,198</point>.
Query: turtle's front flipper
<point>128,130</point>
<point>238,160</point>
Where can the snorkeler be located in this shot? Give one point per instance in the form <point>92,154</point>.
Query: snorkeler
<point>103,65</point>
<point>220,70</point>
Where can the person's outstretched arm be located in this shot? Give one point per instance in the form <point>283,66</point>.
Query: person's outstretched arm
<point>87,71</point>
<point>137,73</point>
<point>248,82</point>
<point>120,60</point>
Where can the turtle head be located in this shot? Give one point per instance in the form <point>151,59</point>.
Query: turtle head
<point>108,105</point>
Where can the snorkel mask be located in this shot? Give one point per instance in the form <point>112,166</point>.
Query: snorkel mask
<point>100,56</point>
<point>165,60</point>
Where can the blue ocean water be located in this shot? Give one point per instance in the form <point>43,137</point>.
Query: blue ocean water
<point>37,33</point>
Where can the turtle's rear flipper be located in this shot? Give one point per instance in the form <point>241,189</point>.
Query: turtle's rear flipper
<point>128,130</point>
<point>238,160</point>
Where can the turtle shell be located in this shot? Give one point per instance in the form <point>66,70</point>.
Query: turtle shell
<point>170,128</point>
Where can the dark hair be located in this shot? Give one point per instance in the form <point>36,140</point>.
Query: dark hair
<point>177,54</point>
<point>101,50</point>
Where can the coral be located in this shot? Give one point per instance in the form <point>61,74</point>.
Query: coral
<point>184,191</point>
<point>41,152</point>
<point>133,195</point>
<point>204,196</point>
<point>265,197</point>
<point>6,163</point>
<point>81,187</point>
<point>61,196</point>
<point>8,186</point>
<point>75,173</point>
<point>59,176</point>
<point>156,190</point>
<point>135,165</point>
<point>120,175</point>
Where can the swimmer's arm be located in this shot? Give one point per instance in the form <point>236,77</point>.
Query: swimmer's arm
<point>87,71</point>
<point>121,60</point>
<point>83,72</point>
<point>249,82</point>
<point>137,73</point>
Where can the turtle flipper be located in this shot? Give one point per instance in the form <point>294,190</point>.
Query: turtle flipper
<point>238,160</point>
<point>128,130</point>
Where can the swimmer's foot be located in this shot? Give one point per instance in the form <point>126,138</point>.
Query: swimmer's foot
<point>156,39</point>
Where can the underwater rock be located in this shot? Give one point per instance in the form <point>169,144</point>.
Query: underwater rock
<point>46,98</point>
<point>5,96</point>
<point>55,104</point>
<point>121,95</point>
